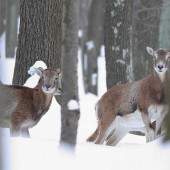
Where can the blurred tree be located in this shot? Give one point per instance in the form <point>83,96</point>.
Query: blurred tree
<point>40,36</point>
<point>93,44</point>
<point>118,42</point>
<point>164,42</point>
<point>146,17</point>
<point>84,7</point>
<point>12,14</point>
<point>2,16</point>
<point>70,116</point>
<point>164,28</point>
<point>167,123</point>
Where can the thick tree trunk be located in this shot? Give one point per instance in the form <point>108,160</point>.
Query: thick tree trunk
<point>146,15</point>
<point>40,36</point>
<point>118,42</point>
<point>70,116</point>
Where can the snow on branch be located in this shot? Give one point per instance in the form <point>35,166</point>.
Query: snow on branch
<point>72,105</point>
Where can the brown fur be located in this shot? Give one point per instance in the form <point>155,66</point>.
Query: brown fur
<point>122,100</point>
<point>23,107</point>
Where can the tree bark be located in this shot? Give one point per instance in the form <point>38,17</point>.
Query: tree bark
<point>70,116</point>
<point>118,42</point>
<point>40,36</point>
<point>146,16</point>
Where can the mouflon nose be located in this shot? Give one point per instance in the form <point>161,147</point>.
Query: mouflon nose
<point>47,86</point>
<point>160,66</point>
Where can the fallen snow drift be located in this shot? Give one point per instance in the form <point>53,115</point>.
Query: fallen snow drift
<point>29,154</point>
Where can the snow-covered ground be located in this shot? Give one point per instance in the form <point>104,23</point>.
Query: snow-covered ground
<point>41,152</point>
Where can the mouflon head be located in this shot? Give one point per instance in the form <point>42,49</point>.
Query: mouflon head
<point>161,59</point>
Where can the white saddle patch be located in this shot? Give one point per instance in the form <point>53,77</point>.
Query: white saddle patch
<point>157,111</point>
<point>135,121</point>
<point>132,120</point>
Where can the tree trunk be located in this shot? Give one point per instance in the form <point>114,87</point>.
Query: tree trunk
<point>118,42</point>
<point>146,15</point>
<point>12,14</point>
<point>164,28</point>
<point>84,9</point>
<point>3,7</point>
<point>40,36</point>
<point>70,116</point>
<point>93,44</point>
<point>167,122</point>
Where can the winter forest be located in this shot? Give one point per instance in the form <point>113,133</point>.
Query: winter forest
<point>84,84</point>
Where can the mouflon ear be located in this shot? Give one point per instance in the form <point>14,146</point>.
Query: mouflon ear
<point>150,50</point>
<point>39,71</point>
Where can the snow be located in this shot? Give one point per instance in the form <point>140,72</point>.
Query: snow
<point>118,24</point>
<point>80,33</point>
<point>90,45</point>
<point>42,151</point>
<point>73,105</point>
<point>93,79</point>
<point>116,48</point>
<point>121,61</point>
<point>4,148</point>
<point>33,80</point>
<point>112,13</point>
<point>115,30</point>
<point>124,51</point>
<point>102,51</point>
<point>6,65</point>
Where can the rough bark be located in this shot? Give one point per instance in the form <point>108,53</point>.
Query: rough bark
<point>118,43</point>
<point>40,36</point>
<point>146,16</point>
<point>69,73</point>
<point>12,14</point>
